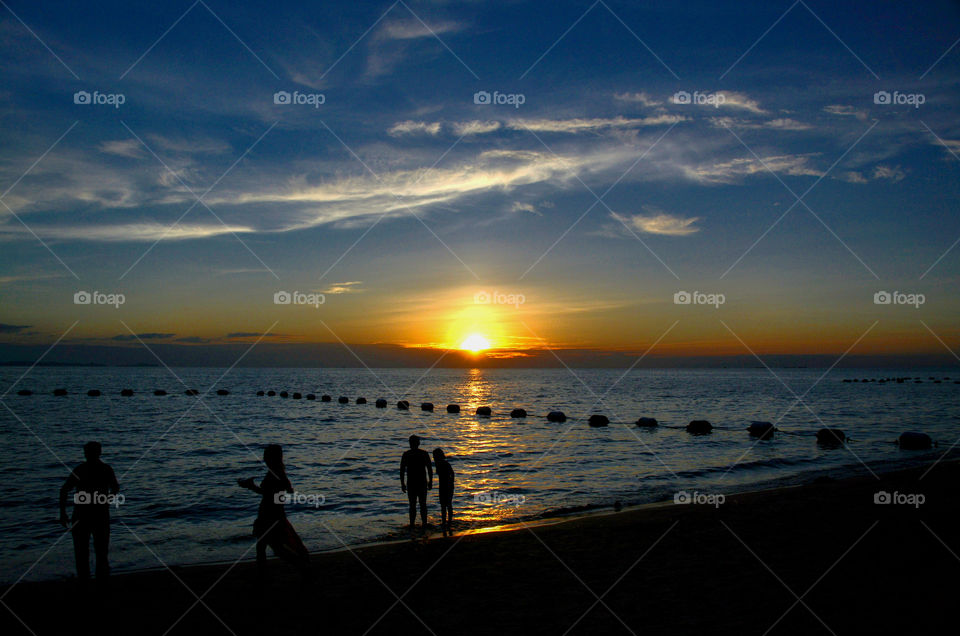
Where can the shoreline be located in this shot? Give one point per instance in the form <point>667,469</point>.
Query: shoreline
<point>674,568</point>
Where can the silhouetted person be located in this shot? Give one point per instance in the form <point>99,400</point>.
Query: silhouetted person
<point>445,486</point>
<point>93,483</point>
<point>271,526</point>
<point>416,478</point>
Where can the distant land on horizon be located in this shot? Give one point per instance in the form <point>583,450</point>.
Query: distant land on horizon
<point>335,355</point>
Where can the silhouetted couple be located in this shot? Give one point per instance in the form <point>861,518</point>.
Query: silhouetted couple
<point>271,526</point>
<point>416,478</point>
<point>95,487</point>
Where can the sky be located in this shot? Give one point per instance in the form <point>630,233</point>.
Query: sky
<point>511,177</point>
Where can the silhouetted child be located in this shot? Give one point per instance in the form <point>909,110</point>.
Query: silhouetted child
<point>271,526</point>
<point>445,483</point>
<point>96,488</point>
<point>416,478</point>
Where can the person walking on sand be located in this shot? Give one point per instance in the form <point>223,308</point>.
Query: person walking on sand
<point>271,526</point>
<point>95,486</point>
<point>416,478</point>
<point>445,486</point>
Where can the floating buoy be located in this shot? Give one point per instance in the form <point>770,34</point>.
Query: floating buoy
<point>223,392</point>
<point>191,392</point>
<point>518,413</point>
<point>484,411</point>
<point>297,396</point>
<point>830,436</point>
<point>381,403</point>
<point>556,416</point>
<point>646,421</point>
<point>361,400</point>
<point>284,394</point>
<point>699,427</point>
<point>260,393</point>
<point>271,393</point>
<point>24,392</point>
<point>59,392</point>
<point>914,441</point>
<point>93,393</point>
<point>426,406</point>
<point>159,392</point>
<point>763,430</point>
<point>597,420</point>
<point>343,399</point>
<point>326,398</point>
<point>126,392</point>
<point>403,405</point>
<point>311,396</point>
<point>453,408</point>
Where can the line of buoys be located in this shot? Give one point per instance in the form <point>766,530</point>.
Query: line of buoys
<point>127,392</point>
<point>343,399</point>
<point>556,416</point>
<point>518,413</point>
<point>93,393</point>
<point>159,392</point>
<point>284,394</point>
<point>453,408</point>
<point>699,427</point>
<point>24,392</point>
<point>484,411</point>
<point>271,393</point>
<point>646,422</point>
<point>191,392</point>
<point>361,400</point>
<point>326,398</point>
<point>596,420</point>
<point>403,405</point>
<point>59,392</point>
<point>311,396</point>
<point>297,396</point>
<point>381,403</point>
<point>260,393</point>
<point>763,430</point>
<point>426,406</point>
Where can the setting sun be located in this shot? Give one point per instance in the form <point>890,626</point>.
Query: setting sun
<point>475,342</point>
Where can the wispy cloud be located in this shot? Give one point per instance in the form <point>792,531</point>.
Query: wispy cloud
<point>126,337</point>
<point>845,111</point>
<point>638,98</point>
<point>414,128</point>
<point>350,287</point>
<point>658,223</point>
<point>13,328</point>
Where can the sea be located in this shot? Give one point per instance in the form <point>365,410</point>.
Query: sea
<point>178,457</point>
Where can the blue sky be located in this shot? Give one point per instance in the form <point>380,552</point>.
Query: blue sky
<point>400,197</point>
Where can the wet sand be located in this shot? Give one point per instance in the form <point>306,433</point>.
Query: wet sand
<point>858,568</point>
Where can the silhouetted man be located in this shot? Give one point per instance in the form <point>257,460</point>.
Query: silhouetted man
<point>96,488</point>
<point>416,478</point>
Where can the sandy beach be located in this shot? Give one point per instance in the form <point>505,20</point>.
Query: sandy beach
<point>819,558</point>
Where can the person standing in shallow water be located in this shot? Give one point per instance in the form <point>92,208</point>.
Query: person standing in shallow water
<point>445,487</point>
<point>95,486</point>
<point>271,526</point>
<point>416,478</point>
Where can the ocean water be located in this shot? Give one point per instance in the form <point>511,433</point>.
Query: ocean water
<point>178,457</point>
